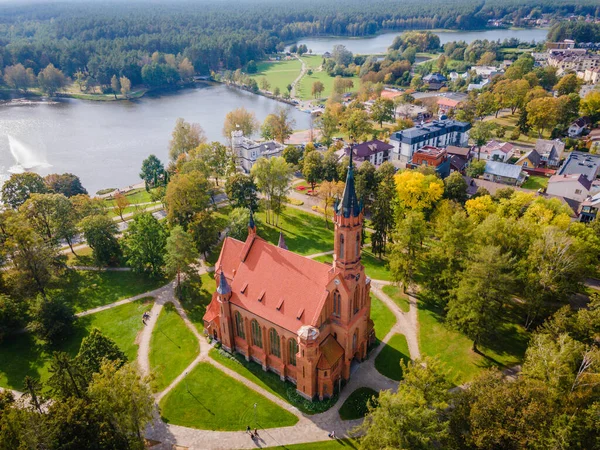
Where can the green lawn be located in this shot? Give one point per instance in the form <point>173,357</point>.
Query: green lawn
<point>87,289</point>
<point>535,182</point>
<point>375,268</point>
<point>172,347</point>
<point>355,406</point>
<point>399,297</point>
<point>304,233</point>
<point>23,355</point>
<point>454,349</point>
<point>304,88</point>
<point>278,73</point>
<point>134,196</point>
<point>334,444</point>
<point>112,212</point>
<point>312,61</point>
<point>384,319</point>
<point>195,305</point>
<point>388,360</point>
<point>270,382</point>
<point>510,122</point>
<point>83,257</point>
<point>208,399</point>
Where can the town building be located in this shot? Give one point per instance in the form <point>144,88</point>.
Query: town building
<point>500,172</point>
<point>566,44</point>
<point>550,151</point>
<point>459,158</point>
<point>431,157</point>
<point>375,151</point>
<point>486,72</point>
<point>577,127</point>
<point>589,208</point>
<point>575,186</point>
<point>573,60</point>
<point>590,75</point>
<point>438,133</point>
<point>306,321</point>
<point>445,105</point>
<point>497,151</point>
<point>435,81</point>
<point>530,160</point>
<point>581,163</point>
<point>248,151</point>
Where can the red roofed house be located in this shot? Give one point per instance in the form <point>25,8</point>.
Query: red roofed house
<point>302,319</point>
<point>445,105</point>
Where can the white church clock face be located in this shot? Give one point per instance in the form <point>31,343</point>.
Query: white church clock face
<point>336,281</point>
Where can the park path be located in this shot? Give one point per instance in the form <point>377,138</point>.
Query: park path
<point>297,80</point>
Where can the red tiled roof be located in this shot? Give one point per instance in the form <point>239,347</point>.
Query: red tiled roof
<point>212,311</point>
<point>331,352</point>
<point>443,101</point>
<point>390,94</point>
<point>285,282</point>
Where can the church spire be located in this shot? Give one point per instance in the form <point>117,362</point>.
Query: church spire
<point>281,243</point>
<point>223,288</point>
<point>349,206</point>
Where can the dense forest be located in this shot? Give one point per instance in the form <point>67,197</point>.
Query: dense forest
<point>119,39</point>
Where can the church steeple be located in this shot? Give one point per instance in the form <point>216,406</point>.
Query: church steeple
<point>223,288</point>
<point>349,205</point>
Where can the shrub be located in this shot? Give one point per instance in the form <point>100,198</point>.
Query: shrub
<point>51,318</point>
<point>516,134</point>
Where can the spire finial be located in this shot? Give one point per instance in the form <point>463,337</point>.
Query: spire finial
<point>349,204</point>
<point>223,288</point>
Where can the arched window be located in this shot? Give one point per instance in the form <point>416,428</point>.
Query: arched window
<point>355,300</point>
<point>354,340</point>
<point>293,349</point>
<point>239,325</point>
<point>274,341</point>
<point>341,245</point>
<point>356,249</point>
<point>256,334</point>
<point>337,304</point>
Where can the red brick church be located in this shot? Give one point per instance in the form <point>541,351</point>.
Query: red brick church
<point>302,319</point>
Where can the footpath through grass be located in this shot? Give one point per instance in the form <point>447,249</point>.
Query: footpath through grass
<point>270,382</point>
<point>399,297</point>
<point>208,399</point>
<point>23,354</point>
<point>388,360</point>
<point>436,338</point>
<point>172,347</point>
<point>333,444</point>
<point>355,406</point>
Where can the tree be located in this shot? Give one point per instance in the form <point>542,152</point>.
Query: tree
<point>408,244</point>
<point>357,125</point>
<point>292,155</point>
<point>417,191</point>
<point>204,230</point>
<point>120,394</point>
<point>382,111</point>
<point>329,192</point>
<point>17,189</point>
<point>51,80</point>
<point>317,89</point>
<point>184,138</point>
<point>341,55</point>
<point>152,171</point>
<point>19,78</point>
<point>125,86</point>
<point>542,113</point>
<point>187,194</point>
<point>312,168</point>
<point>276,91</point>
<point>382,215</point>
<point>241,191</point>
<point>115,85</point>
<point>121,204</point>
<point>144,244</point>
<point>264,84</point>
<point>251,67</point>
<point>568,84</point>
<point>12,315</point>
<point>186,70</point>
<point>238,223</point>
<point>366,183</point>
<point>66,184</point>
<point>590,105</point>
<point>415,416</point>
<point>94,350</point>
<point>486,105</point>
<point>455,187</point>
<point>240,119</point>
<point>273,178</point>
<point>181,254</point>
<point>487,59</point>
<point>51,318</point>
<point>328,124</point>
<point>476,169</point>
<point>278,126</point>
<point>477,304</point>
<point>100,233</point>
<point>481,133</point>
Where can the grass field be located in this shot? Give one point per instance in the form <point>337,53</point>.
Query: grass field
<point>510,122</point>
<point>399,297</point>
<point>23,355</point>
<point>355,406</point>
<point>334,444</point>
<point>195,305</point>
<point>454,349</point>
<point>278,73</point>
<point>383,318</point>
<point>172,347</point>
<point>112,212</point>
<point>535,182</point>
<point>388,360</point>
<point>208,399</point>
<point>375,268</point>
<point>304,88</point>
<point>87,289</point>
<point>134,196</point>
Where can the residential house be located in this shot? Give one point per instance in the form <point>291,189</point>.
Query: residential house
<point>248,151</point>
<point>589,208</point>
<point>445,105</point>
<point>431,157</point>
<point>577,127</point>
<point>306,321</point>
<point>486,72</point>
<point>581,163</point>
<point>594,138</point>
<point>375,151</point>
<point>575,186</point>
<point>438,133</point>
<point>550,151</point>
<point>566,44</point>
<point>573,60</point>
<point>500,172</point>
<point>590,75</point>
<point>459,158</point>
<point>435,81</point>
<point>497,151</point>
<point>478,86</point>
<point>530,160</point>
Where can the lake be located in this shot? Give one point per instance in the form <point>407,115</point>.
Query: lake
<point>104,143</point>
<point>381,42</point>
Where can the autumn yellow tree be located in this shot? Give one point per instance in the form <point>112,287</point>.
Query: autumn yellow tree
<point>121,203</point>
<point>479,208</point>
<point>329,191</point>
<point>417,191</point>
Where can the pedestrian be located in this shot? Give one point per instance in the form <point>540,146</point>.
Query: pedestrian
<point>332,435</point>
<point>248,430</point>
<point>256,433</point>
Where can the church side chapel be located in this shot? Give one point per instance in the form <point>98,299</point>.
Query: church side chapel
<point>304,320</point>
